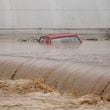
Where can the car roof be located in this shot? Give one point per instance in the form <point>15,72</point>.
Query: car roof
<point>61,35</point>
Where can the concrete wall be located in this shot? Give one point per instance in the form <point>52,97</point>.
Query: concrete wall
<point>46,15</point>
<point>54,13</point>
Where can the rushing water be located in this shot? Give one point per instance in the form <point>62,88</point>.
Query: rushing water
<point>89,52</point>
<point>79,69</point>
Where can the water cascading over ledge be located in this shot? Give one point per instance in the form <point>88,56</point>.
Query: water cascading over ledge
<point>67,77</point>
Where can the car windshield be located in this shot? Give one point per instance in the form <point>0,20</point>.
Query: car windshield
<point>69,40</point>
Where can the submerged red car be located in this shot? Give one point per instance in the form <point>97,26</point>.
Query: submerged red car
<point>65,38</point>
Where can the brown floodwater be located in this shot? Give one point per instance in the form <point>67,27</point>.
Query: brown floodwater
<point>72,77</point>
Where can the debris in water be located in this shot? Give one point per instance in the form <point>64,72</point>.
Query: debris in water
<point>89,99</point>
<point>24,86</point>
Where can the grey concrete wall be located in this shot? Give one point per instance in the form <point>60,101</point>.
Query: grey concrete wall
<point>51,16</point>
<point>54,14</point>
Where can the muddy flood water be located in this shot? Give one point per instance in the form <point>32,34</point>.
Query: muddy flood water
<point>40,77</point>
